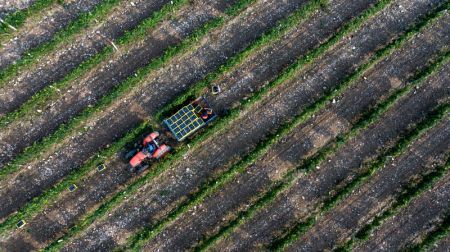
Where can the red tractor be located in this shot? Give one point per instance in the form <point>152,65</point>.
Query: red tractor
<point>151,149</point>
<point>181,125</point>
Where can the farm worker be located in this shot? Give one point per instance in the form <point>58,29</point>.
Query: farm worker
<point>206,113</point>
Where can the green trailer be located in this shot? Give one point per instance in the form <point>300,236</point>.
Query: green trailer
<point>190,118</point>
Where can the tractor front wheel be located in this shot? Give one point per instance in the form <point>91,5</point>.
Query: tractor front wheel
<point>130,155</point>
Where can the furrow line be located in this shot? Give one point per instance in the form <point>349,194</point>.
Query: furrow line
<point>250,182</point>
<point>38,31</point>
<point>374,196</point>
<point>77,43</point>
<point>266,39</point>
<point>15,15</point>
<point>411,192</point>
<point>419,219</point>
<point>148,199</point>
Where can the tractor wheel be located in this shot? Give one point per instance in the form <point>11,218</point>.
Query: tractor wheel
<point>141,168</point>
<point>130,154</point>
<point>131,169</point>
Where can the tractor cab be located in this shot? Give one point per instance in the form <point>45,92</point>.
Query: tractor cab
<point>190,118</point>
<point>151,149</point>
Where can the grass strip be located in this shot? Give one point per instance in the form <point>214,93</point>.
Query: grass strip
<point>302,118</point>
<point>17,18</point>
<point>410,193</point>
<point>433,237</point>
<point>144,234</point>
<point>37,204</point>
<point>35,151</point>
<point>42,97</point>
<point>420,129</point>
<point>119,197</point>
<point>83,21</point>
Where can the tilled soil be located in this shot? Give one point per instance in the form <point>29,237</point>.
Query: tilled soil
<point>36,32</point>
<point>220,208</point>
<point>9,6</point>
<point>95,188</point>
<point>173,186</point>
<point>67,56</point>
<point>316,112</point>
<point>312,32</point>
<point>442,245</point>
<point>411,225</point>
<point>300,201</point>
<point>89,88</point>
<point>378,193</point>
<point>164,85</point>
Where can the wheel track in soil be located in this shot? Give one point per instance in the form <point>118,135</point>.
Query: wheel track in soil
<point>234,191</point>
<point>438,241</point>
<point>16,15</point>
<point>89,88</point>
<point>272,19</point>
<point>20,83</point>
<point>123,175</point>
<point>414,222</point>
<point>82,123</point>
<point>272,224</point>
<point>366,202</point>
<point>101,238</point>
<point>36,32</point>
<point>412,191</point>
<point>100,157</point>
<point>10,7</point>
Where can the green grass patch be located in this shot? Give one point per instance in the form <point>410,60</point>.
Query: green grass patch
<point>421,128</point>
<point>313,161</point>
<point>64,36</point>
<point>17,18</point>
<point>38,203</point>
<point>411,192</point>
<point>50,93</point>
<point>434,237</point>
<point>139,239</point>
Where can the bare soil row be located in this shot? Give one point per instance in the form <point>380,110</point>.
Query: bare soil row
<point>95,188</point>
<point>294,206</point>
<point>221,208</point>
<point>174,186</point>
<point>67,56</point>
<point>442,245</point>
<point>14,5</point>
<point>86,90</point>
<point>36,32</point>
<point>375,196</point>
<point>414,222</point>
<point>155,91</point>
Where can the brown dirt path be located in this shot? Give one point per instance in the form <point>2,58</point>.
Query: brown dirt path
<point>412,224</point>
<point>36,32</point>
<point>372,198</point>
<point>66,57</point>
<point>156,199</point>
<point>221,207</point>
<point>157,90</point>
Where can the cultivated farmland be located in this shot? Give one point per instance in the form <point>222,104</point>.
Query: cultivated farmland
<point>332,128</point>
